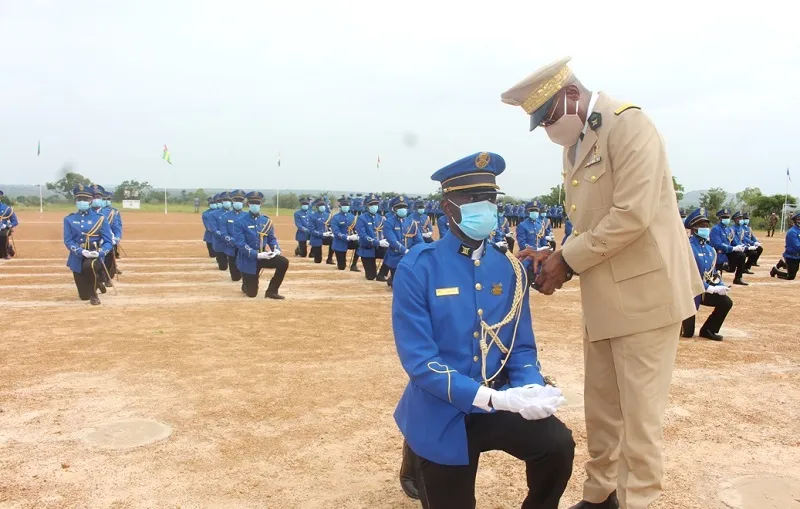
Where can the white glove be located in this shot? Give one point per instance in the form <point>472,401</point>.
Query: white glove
<point>547,400</point>
<point>90,254</point>
<point>513,400</point>
<point>384,243</point>
<point>544,248</point>
<point>738,249</point>
<point>276,252</point>
<point>510,235</point>
<point>758,244</point>
<point>352,237</point>
<point>327,234</point>
<point>501,244</point>
<point>548,238</point>
<point>752,248</point>
<point>2,226</point>
<point>718,290</point>
<point>265,255</point>
<point>427,235</point>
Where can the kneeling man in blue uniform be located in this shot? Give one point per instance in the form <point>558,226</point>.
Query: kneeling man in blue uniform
<point>462,327</point>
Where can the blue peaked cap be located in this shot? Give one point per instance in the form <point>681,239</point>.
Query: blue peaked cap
<point>472,174</point>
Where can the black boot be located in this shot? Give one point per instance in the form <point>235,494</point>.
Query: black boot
<point>408,474</point>
<point>94,300</point>
<point>610,503</point>
<point>739,282</point>
<point>772,272</point>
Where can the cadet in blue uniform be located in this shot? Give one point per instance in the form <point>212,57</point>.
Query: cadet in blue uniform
<point>114,219</point>
<point>98,205</point>
<point>369,228</point>
<point>207,233</point>
<point>218,236</point>
<point>425,224</point>
<point>343,226</point>
<point>257,249</point>
<point>318,229</point>
<point>791,254</point>
<point>754,249</point>
<point>567,231</point>
<point>729,250</point>
<point>227,221</point>
<point>502,236</point>
<point>532,233</point>
<point>402,233</point>
<point>716,293</point>
<point>302,234</point>
<point>87,236</point>
<point>462,327</point>
<point>8,221</point>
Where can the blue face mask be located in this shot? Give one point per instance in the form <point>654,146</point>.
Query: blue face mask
<point>321,208</point>
<point>725,221</point>
<point>238,205</point>
<point>97,203</point>
<point>478,220</point>
<point>420,211</point>
<point>533,215</point>
<point>304,207</point>
<point>226,205</point>
<point>704,232</point>
<point>213,206</point>
<point>401,212</point>
<point>83,206</point>
<point>373,209</point>
<point>745,221</point>
<point>255,208</point>
<point>345,208</point>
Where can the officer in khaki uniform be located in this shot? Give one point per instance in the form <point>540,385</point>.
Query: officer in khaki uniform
<point>637,275</point>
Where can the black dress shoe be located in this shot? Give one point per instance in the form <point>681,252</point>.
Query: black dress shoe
<point>381,279</point>
<point>94,300</point>
<point>772,272</point>
<point>273,295</point>
<point>408,474</point>
<point>354,269</point>
<point>330,262</point>
<point>704,333</point>
<point>101,287</point>
<point>747,271</point>
<point>756,265</point>
<point>739,282</point>
<point>609,503</point>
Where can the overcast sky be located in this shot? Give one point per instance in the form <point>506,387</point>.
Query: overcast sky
<point>332,85</point>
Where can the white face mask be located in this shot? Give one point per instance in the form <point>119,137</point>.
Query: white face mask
<point>567,129</point>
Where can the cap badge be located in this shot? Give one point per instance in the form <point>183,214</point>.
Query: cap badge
<point>482,161</point>
<point>497,288</point>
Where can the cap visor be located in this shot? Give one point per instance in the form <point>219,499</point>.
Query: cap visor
<point>539,114</point>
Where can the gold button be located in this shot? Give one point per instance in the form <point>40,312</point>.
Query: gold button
<point>475,359</point>
<point>574,207</point>
<point>477,263</point>
<point>574,183</point>
<point>604,242</point>
<point>593,178</point>
<point>478,286</point>
<point>480,312</point>
<point>602,254</point>
<point>576,232</point>
<point>475,334</point>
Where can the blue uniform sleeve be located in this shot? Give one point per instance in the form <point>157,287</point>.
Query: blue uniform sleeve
<point>240,240</point>
<point>230,221</point>
<point>361,230</point>
<point>13,219</point>
<point>522,236</point>
<point>219,230</point>
<point>523,363</point>
<point>70,240</point>
<point>391,236</point>
<point>204,217</point>
<point>418,236</point>
<point>567,232</point>
<point>117,226</point>
<point>105,235</point>
<point>720,241</point>
<point>418,352</point>
<point>753,238</point>
<point>272,241</point>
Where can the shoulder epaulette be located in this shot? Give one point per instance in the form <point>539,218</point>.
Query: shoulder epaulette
<point>626,107</point>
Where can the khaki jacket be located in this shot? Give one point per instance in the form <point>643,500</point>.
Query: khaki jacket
<point>629,245</point>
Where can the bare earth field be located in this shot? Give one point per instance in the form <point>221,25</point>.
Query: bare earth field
<point>289,404</point>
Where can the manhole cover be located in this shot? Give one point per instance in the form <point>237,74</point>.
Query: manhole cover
<point>732,333</point>
<point>573,396</point>
<point>130,433</point>
<point>761,493</point>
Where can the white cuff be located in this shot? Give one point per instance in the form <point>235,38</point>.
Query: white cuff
<point>482,398</point>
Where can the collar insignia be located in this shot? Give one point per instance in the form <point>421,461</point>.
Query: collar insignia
<point>595,120</point>
<point>465,250</point>
<point>497,288</point>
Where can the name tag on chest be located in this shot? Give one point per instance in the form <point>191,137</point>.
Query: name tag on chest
<point>445,292</point>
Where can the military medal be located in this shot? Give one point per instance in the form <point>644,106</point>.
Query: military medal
<point>595,157</point>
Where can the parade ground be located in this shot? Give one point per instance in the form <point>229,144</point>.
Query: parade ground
<point>180,392</point>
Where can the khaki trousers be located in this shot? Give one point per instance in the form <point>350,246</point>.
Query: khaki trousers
<point>625,395</point>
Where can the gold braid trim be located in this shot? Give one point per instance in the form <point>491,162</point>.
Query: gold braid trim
<point>93,231</point>
<point>263,233</point>
<point>352,227</point>
<point>515,313</point>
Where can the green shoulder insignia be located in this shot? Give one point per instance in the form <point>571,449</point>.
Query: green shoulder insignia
<point>625,107</point>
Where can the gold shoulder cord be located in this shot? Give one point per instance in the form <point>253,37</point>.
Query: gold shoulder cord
<point>379,229</point>
<point>708,275</point>
<point>352,227</point>
<point>263,233</point>
<point>410,233</point>
<point>93,232</point>
<point>515,313</point>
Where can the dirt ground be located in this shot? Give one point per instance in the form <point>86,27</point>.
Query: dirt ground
<point>289,404</point>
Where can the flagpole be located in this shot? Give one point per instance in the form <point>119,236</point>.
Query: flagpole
<point>277,191</point>
<point>165,200</point>
<point>41,206</point>
<point>785,201</point>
